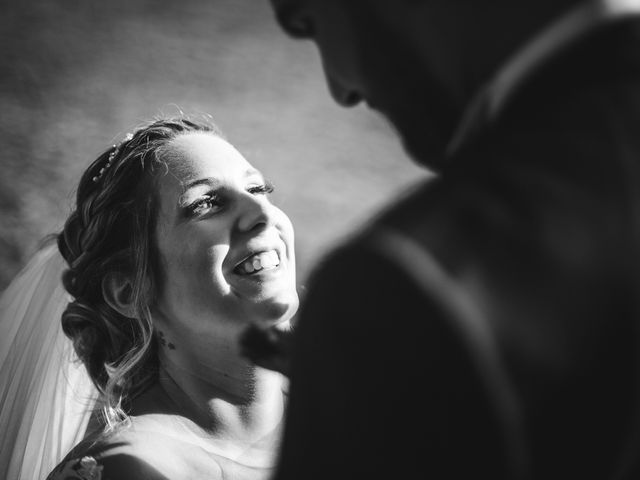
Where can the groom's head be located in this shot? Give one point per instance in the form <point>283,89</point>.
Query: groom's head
<point>416,61</point>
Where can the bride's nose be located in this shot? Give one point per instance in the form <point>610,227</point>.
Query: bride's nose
<point>254,211</point>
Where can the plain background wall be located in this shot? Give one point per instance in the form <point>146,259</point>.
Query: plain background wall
<point>76,75</point>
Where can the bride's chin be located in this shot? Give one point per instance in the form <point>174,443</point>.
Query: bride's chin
<point>278,313</point>
<point>282,323</point>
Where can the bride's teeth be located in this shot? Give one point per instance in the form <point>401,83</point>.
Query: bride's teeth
<point>248,266</point>
<point>269,259</point>
<point>260,261</point>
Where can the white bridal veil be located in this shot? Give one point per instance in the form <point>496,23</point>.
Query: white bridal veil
<point>46,396</point>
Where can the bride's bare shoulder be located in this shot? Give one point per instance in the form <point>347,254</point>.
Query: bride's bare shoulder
<point>132,453</point>
<point>120,466</point>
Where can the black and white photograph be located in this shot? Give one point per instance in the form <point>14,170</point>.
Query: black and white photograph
<point>320,239</point>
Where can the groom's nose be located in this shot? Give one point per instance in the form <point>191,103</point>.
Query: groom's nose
<point>342,95</point>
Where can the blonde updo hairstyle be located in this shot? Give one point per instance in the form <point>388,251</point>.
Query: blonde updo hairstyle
<point>111,232</point>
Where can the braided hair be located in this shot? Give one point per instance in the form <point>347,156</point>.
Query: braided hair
<point>111,231</point>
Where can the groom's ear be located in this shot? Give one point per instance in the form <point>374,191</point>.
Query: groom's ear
<point>117,290</point>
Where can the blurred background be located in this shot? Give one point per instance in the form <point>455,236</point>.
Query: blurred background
<point>76,75</point>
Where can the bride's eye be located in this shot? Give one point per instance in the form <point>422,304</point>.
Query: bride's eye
<point>262,189</point>
<point>204,204</point>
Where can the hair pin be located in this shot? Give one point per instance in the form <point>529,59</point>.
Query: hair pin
<point>112,155</point>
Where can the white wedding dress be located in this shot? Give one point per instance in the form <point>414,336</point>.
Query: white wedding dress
<point>46,396</point>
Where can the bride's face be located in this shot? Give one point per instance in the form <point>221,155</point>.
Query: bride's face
<point>226,253</point>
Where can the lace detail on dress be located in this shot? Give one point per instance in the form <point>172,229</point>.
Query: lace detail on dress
<point>85,468</point>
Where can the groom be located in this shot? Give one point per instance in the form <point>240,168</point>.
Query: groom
<point>486,325</point>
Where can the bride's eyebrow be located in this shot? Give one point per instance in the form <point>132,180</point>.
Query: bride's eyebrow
<point>249,172</point>
<point>208,181</point>
<point>253,173</point>
<point>183,199</point>
<point>214,182</point>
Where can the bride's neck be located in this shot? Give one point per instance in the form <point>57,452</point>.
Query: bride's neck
<point>242,402</point>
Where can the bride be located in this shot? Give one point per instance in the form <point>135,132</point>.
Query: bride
<point>173,250</point>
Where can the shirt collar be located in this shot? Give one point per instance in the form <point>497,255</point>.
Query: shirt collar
<point>491,99</point>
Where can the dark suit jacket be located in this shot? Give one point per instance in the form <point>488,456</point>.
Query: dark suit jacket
<point>486,326</point>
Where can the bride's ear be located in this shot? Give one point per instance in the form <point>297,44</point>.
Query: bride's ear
<point>117,290</point>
